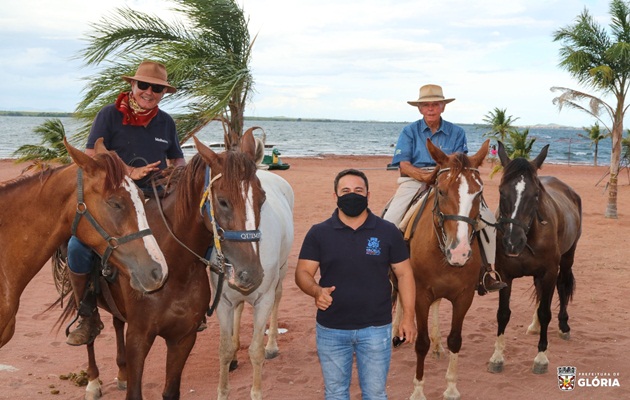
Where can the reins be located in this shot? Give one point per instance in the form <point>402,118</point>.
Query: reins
<point>219,234</point>
<point>112,242</point>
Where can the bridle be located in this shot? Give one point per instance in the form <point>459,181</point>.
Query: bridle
<point>112,242</point>
<point>440,217</point>
<point>219,234</point>
<point>502,221</point>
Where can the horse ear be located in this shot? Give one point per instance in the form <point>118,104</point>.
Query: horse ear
<point>540,158</point>
<point>209,156</point>
<point>80,158</point>
<point>248,143</point>
<point>480,155</point>
<point>99,146</point>
<point>503,157</point>
<point>436,154</point>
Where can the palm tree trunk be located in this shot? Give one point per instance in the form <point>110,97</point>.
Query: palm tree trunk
<point>615,156</point>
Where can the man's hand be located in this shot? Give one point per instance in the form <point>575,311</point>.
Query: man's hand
<point>323,300</point>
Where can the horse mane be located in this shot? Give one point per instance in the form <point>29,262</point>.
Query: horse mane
<point>457,163</point>
<point>519,166</point>
<point>42,175</point>
<point>237,166</point>
<point>115,170</point>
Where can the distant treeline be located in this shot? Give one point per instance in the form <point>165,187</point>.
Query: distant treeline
<point>68,114</point>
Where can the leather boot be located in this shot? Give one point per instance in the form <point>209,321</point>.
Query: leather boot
<point>487,282</point>
<point>89,323</point>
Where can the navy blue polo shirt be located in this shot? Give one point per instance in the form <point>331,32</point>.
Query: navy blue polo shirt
<point>357,263</point>
<point>137,146</point>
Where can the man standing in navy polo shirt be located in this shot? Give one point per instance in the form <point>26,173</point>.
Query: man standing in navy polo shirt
<point>354,251</point>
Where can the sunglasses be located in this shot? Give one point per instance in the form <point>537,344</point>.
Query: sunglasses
<point>145,85</point>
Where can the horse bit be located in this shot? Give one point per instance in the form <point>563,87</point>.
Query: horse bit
<point>112,242</point>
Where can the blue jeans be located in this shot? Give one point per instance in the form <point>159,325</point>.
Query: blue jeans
<point>80,256</point>
<point>373,349</point>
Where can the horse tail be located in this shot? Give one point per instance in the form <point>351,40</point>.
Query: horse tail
<point>68,311</point>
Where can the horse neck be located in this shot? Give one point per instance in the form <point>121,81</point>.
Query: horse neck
<point>35,216</point>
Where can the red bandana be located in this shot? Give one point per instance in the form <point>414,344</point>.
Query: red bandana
<point>133,114</point>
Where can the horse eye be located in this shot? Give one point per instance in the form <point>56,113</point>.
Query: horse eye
<point>114,204</point>
<point>223,203</point>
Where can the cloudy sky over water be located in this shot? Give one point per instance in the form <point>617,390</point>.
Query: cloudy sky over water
<point>337,59</point>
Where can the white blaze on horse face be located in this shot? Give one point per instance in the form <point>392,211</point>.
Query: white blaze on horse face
<point>149,241</point>
<point>466,200</point>
<point>250,216</point>
<point>520,189</point>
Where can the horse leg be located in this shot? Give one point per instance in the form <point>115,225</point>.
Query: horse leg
<point>454,342</point>
<point>272,349</point>
<point>93,388</point>
<point>534,327</point>
<point>236,335</point>
<point>256,348</point>
<point>422,348</point>
<point>547,286</point>
<point>436,338</point>
<point>497,361</point>
<point>138,345</point>
<point>397,317</point>
<point>121,357</point>
<point>225,314</point>
<point>7,331</point>
<point>566,286</point>
<point>177,352</point>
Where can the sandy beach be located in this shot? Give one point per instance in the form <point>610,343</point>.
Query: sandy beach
<point>31,363</point>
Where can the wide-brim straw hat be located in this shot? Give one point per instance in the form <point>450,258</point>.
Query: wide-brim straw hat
<point>429,94</point>
<point>152,72</point>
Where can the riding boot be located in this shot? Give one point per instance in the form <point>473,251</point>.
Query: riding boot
<point>487,282</point>
<point>89,324</point>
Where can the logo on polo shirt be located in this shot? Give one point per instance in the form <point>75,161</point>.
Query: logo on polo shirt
<point>157,139</point>
<point>373,247</point>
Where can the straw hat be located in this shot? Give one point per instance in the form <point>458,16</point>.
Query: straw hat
<point>428,94</point>
<point>151,72</point>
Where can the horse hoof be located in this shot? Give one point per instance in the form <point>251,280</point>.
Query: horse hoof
<point>564,335</point>
<point>539,369</point>
<point>233,365</point>
<point>121,385</point>
<point>271,354</point>
<point>495,367</point>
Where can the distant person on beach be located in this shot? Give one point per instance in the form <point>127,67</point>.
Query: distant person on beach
<point>146,140</point>
<point>412,157</point>
<point>354,251</point>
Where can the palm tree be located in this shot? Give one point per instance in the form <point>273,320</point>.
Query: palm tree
<point>207,53</point>
<point>500,124</point>
<point>517,145</point>
<point>594,134</point>
<point>599,60</point>
<point>50,150</point>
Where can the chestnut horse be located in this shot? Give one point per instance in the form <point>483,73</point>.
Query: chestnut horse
<point>445,256</point>
<point>213,190</point>
<point>538,226</point>
<point>276,227</point>
<point>41,211</point>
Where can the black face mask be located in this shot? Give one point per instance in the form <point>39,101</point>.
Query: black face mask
<point>352,204</point>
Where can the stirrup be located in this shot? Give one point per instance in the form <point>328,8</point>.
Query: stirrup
<point>497,278</point>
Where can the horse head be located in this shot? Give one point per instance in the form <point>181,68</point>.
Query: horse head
<point>519,193</point>
<point>234,200</point>
<point>458,188</point>
<point>115,218</point>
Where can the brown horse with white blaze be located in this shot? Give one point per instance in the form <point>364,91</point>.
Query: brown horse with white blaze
<point>92,197</point>
<point>214,192</point>
<point>445,255</point>
<point>538,227</point>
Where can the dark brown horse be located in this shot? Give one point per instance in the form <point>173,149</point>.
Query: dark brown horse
<point>226,187</point>
<point>445,256</point>
<point>37,216</point>
<point>538,227</point>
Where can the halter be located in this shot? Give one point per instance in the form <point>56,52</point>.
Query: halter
<point>441,217</point>
<point>112,242</point>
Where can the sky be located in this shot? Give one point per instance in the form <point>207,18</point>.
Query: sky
<point>333,59</point>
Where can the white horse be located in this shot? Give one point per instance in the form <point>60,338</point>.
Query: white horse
<point>276,227</point>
